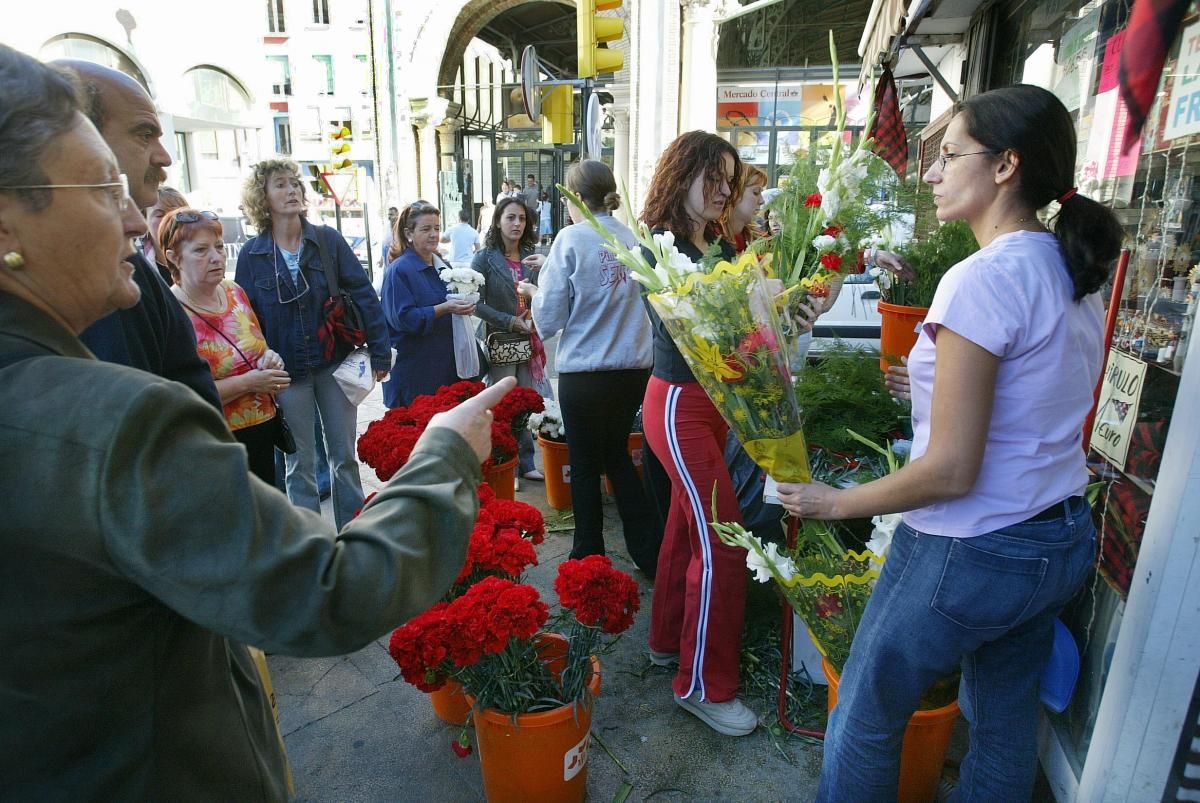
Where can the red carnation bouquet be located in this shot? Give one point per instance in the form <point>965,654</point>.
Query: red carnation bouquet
<point>488,638</point>
<point>387,443</point>
<point>502,541</point>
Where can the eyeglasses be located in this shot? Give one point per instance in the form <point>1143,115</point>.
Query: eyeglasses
<point>281,280</point>
<point>118,190</point>
<point>946,158</point>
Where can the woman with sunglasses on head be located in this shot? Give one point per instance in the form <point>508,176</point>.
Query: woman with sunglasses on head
<point>419,316</point>
<point>283,274</point>
<point>506,260</point>
<point>996,535</point>
<point>700,585</point>
<point>248,375</point>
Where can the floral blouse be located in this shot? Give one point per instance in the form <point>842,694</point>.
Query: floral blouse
<point>239,325</point>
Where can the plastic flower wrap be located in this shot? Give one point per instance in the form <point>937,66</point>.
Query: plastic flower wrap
<point>824,211</point>
<point>826,584</point>
<point>723,319</point>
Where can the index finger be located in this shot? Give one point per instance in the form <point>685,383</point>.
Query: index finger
<point>490,396</point>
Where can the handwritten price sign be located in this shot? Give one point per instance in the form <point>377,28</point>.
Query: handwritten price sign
<point>1118,410</point>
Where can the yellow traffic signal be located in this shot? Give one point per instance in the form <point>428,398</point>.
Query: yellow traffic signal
<point>558,116</point>
<point>339,147</point>
<point>591,31</point>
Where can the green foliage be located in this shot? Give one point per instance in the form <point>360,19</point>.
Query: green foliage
<point>845,387</point>
<point>931,256</point>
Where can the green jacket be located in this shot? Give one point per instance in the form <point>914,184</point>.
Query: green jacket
<point>140,556</point>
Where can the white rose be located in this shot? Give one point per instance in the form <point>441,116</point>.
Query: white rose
<point>824,243</point>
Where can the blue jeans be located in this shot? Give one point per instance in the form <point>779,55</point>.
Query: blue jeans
<point>339,419</point>
<point>986,604</point>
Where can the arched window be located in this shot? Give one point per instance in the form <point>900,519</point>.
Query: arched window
<point>89,48</point>
<point>215,90</point>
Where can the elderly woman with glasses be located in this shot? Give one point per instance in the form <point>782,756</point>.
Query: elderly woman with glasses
<point>140,556</point>
<point>228,338</point>
<point>282,271</point>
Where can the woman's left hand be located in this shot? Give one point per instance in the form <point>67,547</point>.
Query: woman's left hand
<point>527,289</point>
<point>534,261</point>
<point>270,361</point>
<point>808,500</point>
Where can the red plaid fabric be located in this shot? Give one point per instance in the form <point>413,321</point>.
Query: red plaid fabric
<point>891,140</point>
<point>340,327</point>
<point>1152,27</point>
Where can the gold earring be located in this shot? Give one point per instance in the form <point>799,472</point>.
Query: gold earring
<point>14,260</point>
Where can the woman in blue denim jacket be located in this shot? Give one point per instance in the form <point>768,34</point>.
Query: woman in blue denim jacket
<point>281,272</point>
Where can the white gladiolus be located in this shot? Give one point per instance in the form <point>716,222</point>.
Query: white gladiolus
<point>680,264</point>
<point>665,241</point>
<point>881,536</point>
<point>760,566</point>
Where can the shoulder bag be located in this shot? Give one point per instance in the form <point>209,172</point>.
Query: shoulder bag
<point>343,325</point>
<point>285,441</point>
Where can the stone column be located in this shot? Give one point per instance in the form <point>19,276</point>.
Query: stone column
<point>698,92</point>
<point>620,115</point>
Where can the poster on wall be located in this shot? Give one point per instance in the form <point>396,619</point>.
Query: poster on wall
<point>1117,412</point>
<point>1183,111</point>
<point>1076,55</point>
<point>1107,173</point>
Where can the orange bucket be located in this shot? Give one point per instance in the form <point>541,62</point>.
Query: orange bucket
<point>898,331</point>
<point>541,756</point>
<point>923,753</point>
<point>636,447</point>
<point>502,478</point>
<point>450,703</point>
<point>557,468</point>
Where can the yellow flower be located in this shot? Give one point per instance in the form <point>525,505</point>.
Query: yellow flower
<point>740,414</point>
<point>708,356</point>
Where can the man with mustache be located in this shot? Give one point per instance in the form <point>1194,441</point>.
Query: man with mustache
<point>153,335</point>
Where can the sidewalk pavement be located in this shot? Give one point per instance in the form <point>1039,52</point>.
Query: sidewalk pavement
<point>357,733</point>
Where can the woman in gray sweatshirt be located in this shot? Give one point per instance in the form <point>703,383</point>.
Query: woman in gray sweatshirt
<point>604,358</point>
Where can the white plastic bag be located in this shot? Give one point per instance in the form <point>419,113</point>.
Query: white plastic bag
<point>466,352</point>
<point>354,375</point>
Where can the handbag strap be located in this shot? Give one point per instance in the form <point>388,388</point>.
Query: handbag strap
<point>228,340</point>
<point>326,264</point>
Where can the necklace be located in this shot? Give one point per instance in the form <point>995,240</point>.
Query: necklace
<point>192,302</point>
<point>1018,222</point>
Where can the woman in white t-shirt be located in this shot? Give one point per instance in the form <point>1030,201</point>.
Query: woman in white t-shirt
<point>996,536</point>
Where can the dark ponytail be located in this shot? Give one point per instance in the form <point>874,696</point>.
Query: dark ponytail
<point>1034,124</point>
<point>594,183</point>
<point>406,223</point>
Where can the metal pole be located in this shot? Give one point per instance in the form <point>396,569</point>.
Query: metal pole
<point>337,215</point>
<point>367,230</point>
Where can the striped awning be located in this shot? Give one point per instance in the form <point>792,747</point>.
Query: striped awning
<point>885,20</point>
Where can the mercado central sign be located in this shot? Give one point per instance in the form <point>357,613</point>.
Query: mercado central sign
<point>794,103</point>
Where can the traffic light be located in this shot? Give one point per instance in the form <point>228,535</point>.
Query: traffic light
<point>592,30</point>
<point>558,116</point>
<point>339,147</point>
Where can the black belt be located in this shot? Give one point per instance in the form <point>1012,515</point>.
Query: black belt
<point>1055,511</point>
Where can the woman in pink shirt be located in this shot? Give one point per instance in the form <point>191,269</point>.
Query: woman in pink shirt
<point>996,535</point>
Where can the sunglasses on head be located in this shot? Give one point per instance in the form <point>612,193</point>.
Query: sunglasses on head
<point>194,217</point>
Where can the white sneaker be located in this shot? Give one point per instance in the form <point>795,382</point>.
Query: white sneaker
<point>731,718</point>
<point>664,658</point>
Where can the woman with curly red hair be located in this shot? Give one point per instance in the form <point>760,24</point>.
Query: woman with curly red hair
<point>700,585</point>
